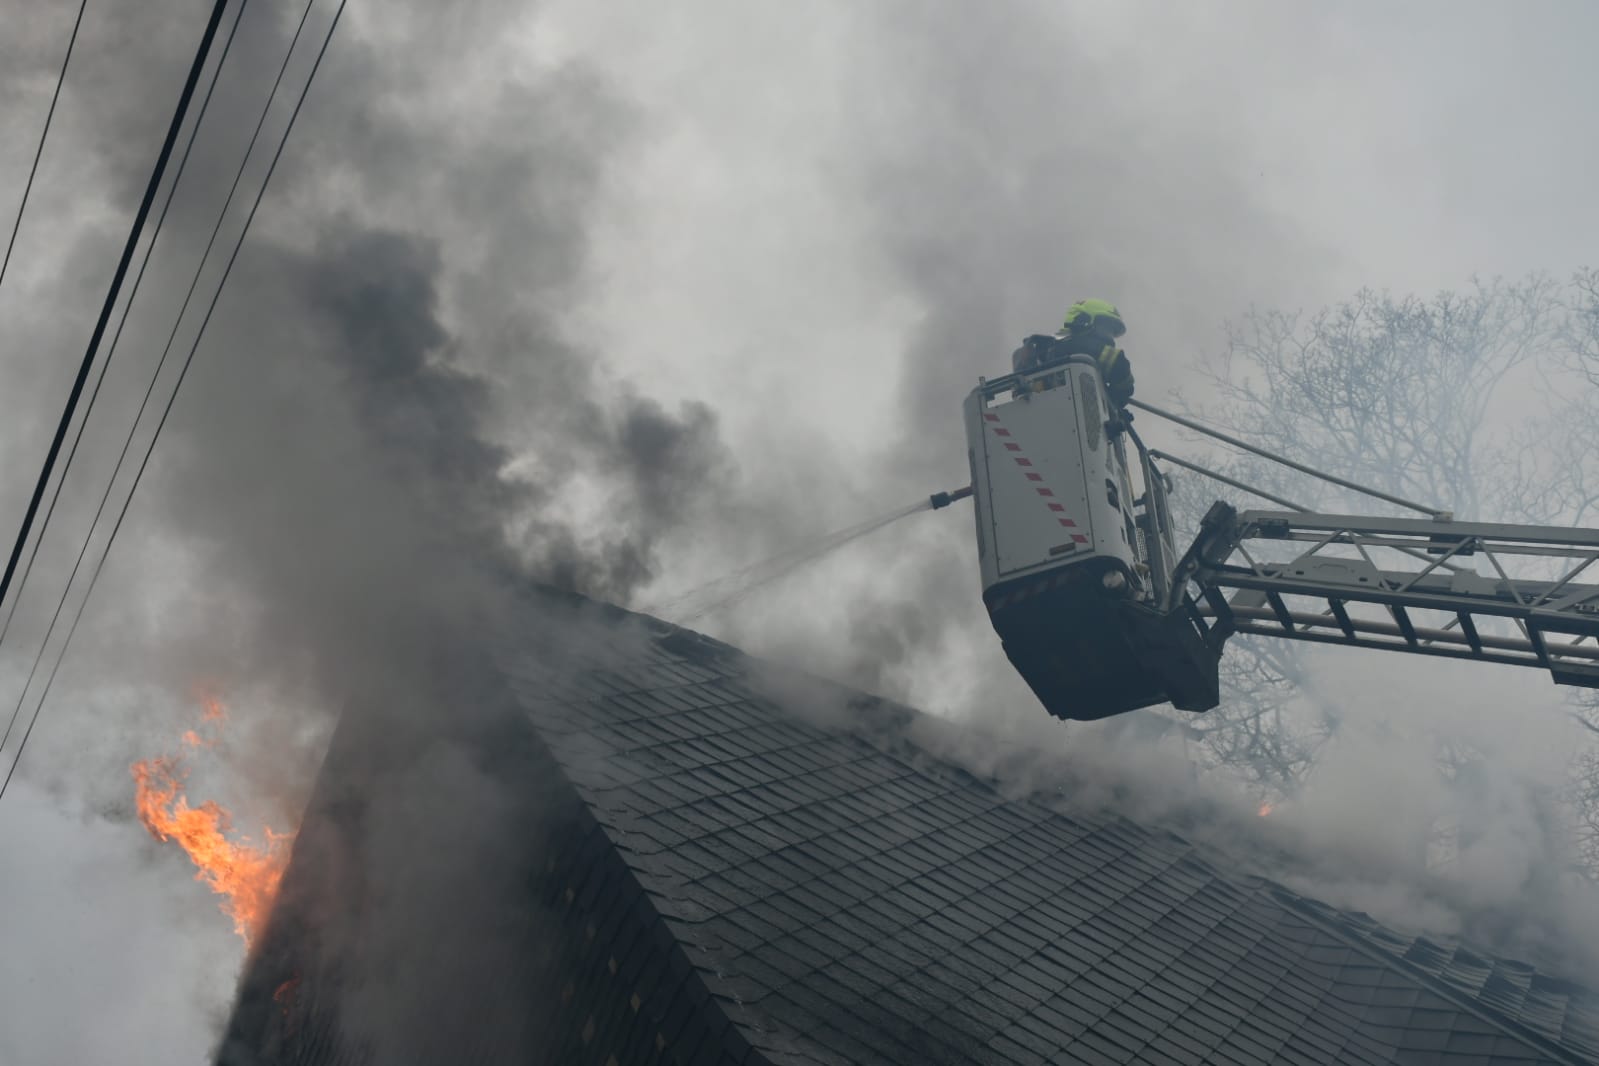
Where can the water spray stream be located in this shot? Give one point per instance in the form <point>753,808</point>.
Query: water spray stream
<point>730,588</point>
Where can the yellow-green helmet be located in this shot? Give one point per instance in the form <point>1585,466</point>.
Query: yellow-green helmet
<point>1100,315</point>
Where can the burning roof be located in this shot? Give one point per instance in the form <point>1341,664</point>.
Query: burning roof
<point>712,878</point>
<point>244,873</point>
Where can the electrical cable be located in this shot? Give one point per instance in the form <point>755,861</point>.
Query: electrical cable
<point>84,421</point>
<point>134,234</point>
<point>176,388</point>
<point>39,152</point>
<point>105,364</point>
<point>155,377</point>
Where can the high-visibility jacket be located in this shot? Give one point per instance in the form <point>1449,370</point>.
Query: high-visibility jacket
<point>1117,371</point>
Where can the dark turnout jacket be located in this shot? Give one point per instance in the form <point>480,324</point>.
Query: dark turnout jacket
<point>1040,350</point>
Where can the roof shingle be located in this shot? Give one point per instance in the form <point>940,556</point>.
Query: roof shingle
<point>883,907</point>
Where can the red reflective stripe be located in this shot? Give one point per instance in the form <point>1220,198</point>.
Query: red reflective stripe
<point>991,416</point>
<point>1079,538</point>
<point>1001,431</point>
<point>1034,477</point>
<point>1046,492</point>
<point>1057,507</point>
<point>1012,446</point>
<point>1067,522</point>
<point>1023,462</point>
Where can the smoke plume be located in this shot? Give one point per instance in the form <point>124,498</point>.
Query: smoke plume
<point>586,296</point>
<point>390,426</point>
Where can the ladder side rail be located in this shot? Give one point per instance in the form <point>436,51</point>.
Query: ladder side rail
<point>1433,531</point>
<point>1350,628</point>
<point>1526,593</point>
<point>1441,599</point>
<point>1251,627</point>
<point>1411,546</point>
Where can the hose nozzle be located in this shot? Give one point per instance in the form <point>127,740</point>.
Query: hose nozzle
<point>944,499</point>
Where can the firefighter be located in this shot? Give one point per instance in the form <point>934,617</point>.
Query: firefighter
<point>1091,328</point>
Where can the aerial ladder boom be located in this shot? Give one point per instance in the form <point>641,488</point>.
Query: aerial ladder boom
<point>1100,614</point>
<point>1333,591</point>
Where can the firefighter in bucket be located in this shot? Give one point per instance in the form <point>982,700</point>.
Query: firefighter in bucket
<point>1091,328</point>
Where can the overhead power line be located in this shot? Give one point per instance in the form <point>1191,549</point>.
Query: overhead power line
<point>43,136</point>
<point>133,293</point>
<point>111,296</point>
<point>122,321</point>
<point>194,347</point>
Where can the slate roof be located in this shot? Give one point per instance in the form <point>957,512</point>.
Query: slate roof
<point>840,897</point>
<point>1560,1010</point>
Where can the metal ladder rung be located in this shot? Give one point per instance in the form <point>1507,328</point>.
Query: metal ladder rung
<point>1219,606</point>
<point>1342,615</point>
<point>1281,610</point>
<point>1402,620</point>
<point>1535,638</point>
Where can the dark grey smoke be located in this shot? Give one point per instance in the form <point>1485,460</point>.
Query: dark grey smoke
<point>399,406</point>
<point>385,398</point>
<point>1004,167</point>
<point>383,432</point>
<point>1009,166</point>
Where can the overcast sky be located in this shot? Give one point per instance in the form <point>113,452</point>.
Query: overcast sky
<point>703,279</point>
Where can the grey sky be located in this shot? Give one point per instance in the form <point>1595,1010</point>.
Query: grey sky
<point>813,227</point>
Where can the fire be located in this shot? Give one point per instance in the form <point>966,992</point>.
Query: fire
<point>243,873</point>
<point>284,996</point>
<point>1265,809</point>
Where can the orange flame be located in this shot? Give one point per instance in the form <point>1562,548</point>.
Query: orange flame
<point>1265,809</point>
<point>244,874</point>
<point>284,996</point>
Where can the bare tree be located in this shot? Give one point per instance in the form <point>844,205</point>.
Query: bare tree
<point>1393,392</point>
<point>1583,793</point>
<point>1265,728</point>
<point>1422,398</point>
<point>1581,328</point>
<point>1578,489</point>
